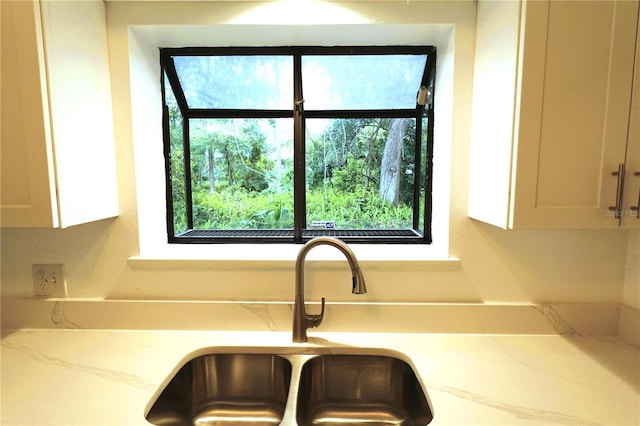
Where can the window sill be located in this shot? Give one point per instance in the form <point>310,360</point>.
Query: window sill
<point>282,257</point>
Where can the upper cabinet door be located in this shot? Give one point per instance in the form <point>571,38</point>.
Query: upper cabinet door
<point>631,198</point>
<point>28,192</point>
<point>550,112</point>
<point>57,124</point>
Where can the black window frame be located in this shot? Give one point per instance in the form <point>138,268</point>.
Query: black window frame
<point>300,233</point>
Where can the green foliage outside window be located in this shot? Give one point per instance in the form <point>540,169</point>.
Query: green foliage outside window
<point>240,191</point>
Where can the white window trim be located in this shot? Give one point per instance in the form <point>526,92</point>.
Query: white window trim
<point>144,67</point>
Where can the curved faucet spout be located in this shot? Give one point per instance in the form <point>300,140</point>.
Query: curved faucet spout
<point>301,319</point>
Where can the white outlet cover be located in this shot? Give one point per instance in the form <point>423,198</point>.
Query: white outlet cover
<point>48,280</point>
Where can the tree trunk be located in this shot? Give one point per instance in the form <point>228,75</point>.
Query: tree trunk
<point>390,167</point>
<point>230,171</point>
<point>212,169</point>
<point>371,158</point>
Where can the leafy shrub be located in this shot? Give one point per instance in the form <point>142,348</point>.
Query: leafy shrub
<point>241,209</point>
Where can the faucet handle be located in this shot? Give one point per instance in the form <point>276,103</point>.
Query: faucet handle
<point>317,319</point>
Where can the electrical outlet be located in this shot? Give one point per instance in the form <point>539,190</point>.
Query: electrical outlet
<point>48,280</point>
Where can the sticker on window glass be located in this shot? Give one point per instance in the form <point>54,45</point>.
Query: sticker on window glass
<point>323,224</point>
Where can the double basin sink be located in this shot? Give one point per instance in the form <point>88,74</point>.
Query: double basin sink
<point>281,386</point>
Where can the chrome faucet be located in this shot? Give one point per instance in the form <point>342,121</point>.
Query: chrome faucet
<point>301,319</point>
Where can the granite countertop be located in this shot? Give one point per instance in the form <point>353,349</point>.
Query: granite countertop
<point>104,377</point>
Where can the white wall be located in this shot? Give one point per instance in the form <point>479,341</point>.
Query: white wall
<point>631,294</point>
<point>496,265</point>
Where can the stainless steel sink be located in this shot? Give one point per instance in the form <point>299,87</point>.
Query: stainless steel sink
<point>357,389</point>
<point>225,389</point>
<point>289,386</point>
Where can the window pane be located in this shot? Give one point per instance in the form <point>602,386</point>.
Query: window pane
<point>339,82</point>
<point>423,173</point>
<point>236,82</point>
<point>176,161</point>
<point>242,173</point>
<point>359,173</point>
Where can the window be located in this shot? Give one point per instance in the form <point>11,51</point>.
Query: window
<point>286,144</point>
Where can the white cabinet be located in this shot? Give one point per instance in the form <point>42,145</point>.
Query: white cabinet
<point>631,195</point>
<point>551,111</point>
<point>58,154</point>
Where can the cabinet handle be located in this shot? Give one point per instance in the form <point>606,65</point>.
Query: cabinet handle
<point>636,208</point>
<point>617,209</point>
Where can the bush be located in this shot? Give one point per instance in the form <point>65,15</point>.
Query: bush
<point>241,209</point>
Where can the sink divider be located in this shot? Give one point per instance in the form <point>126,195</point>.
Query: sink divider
<point>297,361</point>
